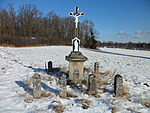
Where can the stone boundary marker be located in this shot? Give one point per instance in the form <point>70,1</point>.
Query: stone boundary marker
<point>63,88</point>
<point>36,86</point>
<point>92,84</point>
<point>118,85</point>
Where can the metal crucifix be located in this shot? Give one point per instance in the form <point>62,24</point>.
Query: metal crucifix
<point>76,15</point>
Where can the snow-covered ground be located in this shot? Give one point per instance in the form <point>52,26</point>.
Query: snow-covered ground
<point>17,65</point>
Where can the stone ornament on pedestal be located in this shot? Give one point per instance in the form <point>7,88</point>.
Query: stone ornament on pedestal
<point>76,44</point>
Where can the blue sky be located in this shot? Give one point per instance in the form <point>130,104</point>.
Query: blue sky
<point>115,20</point>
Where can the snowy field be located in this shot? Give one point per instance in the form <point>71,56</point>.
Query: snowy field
<point>15,70</point>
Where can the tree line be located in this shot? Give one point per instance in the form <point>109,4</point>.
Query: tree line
<point>128,45</point>
<point>29,27</point>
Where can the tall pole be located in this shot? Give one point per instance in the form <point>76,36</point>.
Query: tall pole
<point>76,15</point>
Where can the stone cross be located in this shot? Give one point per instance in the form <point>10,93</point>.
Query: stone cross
<point>76,15</point>
<point>91,84</point>
<point>63,89</point>
<point>36,86</point>
<point>118,85</point>
<point>76,44</point>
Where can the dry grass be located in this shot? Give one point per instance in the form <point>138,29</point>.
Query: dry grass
<point>28,100</point>
<point>145,102</point>
<point>70,94</point>
<point>64,69</point>
<point>102,83</point>
<point>125,91</point>
<point>7,45</point>
<point>110,74</point>
<point>99,91</point>
<point>30,82</point>
<point>59,108</point>
<point>85,103</point>
<point>114,110</point>
<point>107,72</point>
<point>46,94</point>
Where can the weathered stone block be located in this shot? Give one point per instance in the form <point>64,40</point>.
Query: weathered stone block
<point>63,88</point>
<point>36,86</point>
<point>91,84</point>
<point>118,85</point>
<point>50,66</point>
<point>96,71</point>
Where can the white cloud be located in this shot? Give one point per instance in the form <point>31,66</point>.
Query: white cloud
<point>121,32</point>
<point>138,32</point>
<point>139,36</point>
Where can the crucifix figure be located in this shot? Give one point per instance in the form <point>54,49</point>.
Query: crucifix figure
<point>76,15</point>
<point>76,41</point>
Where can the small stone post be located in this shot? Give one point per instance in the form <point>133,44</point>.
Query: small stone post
<point>50,66</point>
<point>118,85</point>
<point>63,89</point>
<point>91,84</point>
<point>76,76</point>
<point>36,86</point>
<point>96,71</point>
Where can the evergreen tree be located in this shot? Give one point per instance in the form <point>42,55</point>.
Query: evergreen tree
<point>92,40</point>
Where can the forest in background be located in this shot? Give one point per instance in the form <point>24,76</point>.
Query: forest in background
<point>29,27</point>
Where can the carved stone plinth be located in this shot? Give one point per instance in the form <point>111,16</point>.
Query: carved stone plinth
<point>76,62</point>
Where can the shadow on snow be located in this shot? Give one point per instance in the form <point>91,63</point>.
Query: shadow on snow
<point>45,87</point>
<point>118,54</point>
<point>35,69</point>
<point>24,86</point>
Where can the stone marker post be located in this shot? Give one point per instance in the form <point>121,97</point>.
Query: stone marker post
<point>50,66</point>
<point>63,89</point>
<point>96,71</point>
<point>118,85</point>
<point>36,86</point>
<point>91,84</point>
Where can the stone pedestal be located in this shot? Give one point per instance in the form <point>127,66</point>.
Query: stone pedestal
<point>76,62</point>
